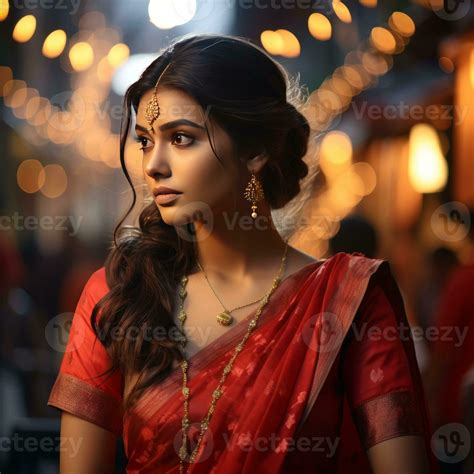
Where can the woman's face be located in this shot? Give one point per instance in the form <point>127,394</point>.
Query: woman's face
<point>178,155</point>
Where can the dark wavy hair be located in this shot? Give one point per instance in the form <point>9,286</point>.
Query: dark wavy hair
<point>246,92</point>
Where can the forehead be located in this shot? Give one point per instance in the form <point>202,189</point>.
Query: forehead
<point>173,104</point>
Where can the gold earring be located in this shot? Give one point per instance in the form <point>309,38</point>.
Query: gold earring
<point>254,192</point>
<point>152,111</point>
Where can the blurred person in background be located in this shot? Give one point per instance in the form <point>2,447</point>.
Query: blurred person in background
<point>12,393</point>
<point>467,403</point>
<point>452,347</point>
<point>356,234</point>
<point>440,263</point>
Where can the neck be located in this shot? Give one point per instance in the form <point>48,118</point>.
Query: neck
<point>236,249</point>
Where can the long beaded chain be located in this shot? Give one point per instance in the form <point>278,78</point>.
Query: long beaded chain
<point>183,451</point>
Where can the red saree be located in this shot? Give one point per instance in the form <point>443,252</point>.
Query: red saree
<point>324,376</point>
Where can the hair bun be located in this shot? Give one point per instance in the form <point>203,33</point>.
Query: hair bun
<point>281,179</point>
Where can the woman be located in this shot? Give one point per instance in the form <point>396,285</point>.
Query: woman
<point>222,348</point>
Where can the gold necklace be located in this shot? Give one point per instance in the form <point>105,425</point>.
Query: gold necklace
<point>225,318</point>
<point>216,394</point>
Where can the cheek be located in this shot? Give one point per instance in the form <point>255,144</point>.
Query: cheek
<point>203,175</point>
<point>200,175</point>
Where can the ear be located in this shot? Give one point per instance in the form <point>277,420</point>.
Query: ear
<point>255,164</point>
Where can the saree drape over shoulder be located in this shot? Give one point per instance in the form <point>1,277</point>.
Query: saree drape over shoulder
<point>329,371</point>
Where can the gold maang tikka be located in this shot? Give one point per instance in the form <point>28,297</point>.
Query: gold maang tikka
<point>152,111</point>
<point>254,192</point>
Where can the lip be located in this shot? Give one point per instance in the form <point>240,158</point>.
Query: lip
<point>166,198</point>
<point>165,190</point>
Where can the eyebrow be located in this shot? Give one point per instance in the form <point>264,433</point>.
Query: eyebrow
<point>171,124</point>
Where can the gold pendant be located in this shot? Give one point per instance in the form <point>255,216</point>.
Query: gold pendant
<point>225,319</point>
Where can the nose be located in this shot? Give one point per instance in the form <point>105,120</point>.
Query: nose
<point>157,164</point>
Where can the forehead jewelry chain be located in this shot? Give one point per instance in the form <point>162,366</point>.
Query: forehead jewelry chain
<point>216,394</point>
<point>152,111</point>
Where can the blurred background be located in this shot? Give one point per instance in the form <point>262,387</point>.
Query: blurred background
<point>390,90</point>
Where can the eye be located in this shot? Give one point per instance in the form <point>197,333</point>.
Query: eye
<point>142,140</point>
<point>180,134</point>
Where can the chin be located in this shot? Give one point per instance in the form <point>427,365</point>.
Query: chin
<point>171,215</point>
<point>180,215</point>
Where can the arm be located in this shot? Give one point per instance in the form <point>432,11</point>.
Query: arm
<point>90,404</point>
<point>87,448</point>
<point>405,454</point>
<point>383,384</point>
